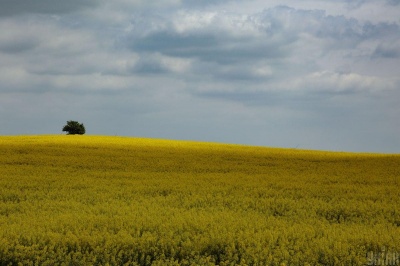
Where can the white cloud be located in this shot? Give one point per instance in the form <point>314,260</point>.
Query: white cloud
<point>333,82</point>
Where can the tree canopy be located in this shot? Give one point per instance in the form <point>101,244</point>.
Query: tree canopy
<point>74,127</point>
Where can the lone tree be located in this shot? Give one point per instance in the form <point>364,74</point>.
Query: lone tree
<point>73,127</point>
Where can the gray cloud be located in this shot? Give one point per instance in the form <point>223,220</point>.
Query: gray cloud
<point>209,36</point>
<point>16,7</point>
<point>234,46</point>
<point>149,64</point>
<point>315,74</point>
<point>393,2</point>
<point>17,46</point>
<point>387,51</point>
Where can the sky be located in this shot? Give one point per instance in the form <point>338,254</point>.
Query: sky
<point>306,74</point>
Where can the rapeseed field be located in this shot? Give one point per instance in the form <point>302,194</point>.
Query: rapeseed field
<point>94,200</point>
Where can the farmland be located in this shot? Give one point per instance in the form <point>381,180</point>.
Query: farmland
<point>95,200</point>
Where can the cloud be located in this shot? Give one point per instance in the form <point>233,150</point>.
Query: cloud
<point>205,2</point>
<point>308,73</point>
<point>15,38</point>
<point>277,43</point>
<point>207,36</point>
<point>40,54</point>
<point>16,7</point>
<point>345,83</point>
<point>393,2</point>
<point>387,50</point>
<point>315,89</point>
<point>242,50</point>
<point>222,36</point>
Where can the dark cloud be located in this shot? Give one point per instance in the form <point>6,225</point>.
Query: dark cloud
<point>206,47</point>
<point>232,47</point>
<point>149,64</point>
<point>355,3</point>
<point>16,7</point>
<point>393,2</point>
<point>387,51</point>
<point>196,3</point>
<point>222,38</point>
<point>172,43</point>
<point>17,46</point>
<point>381,31</point>
<point>229,37</point>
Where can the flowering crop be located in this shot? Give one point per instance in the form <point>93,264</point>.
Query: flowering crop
<point>93,200</point>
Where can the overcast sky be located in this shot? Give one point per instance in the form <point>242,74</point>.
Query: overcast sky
<point>298,73</point>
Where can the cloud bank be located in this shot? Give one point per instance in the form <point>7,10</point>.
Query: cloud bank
<point>308,75</point>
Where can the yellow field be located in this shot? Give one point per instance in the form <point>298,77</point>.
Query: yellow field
<point>88,200</point>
